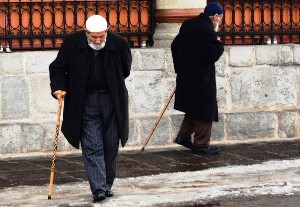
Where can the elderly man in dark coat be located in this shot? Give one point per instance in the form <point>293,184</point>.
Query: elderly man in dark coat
<point>195,50</point>
<point>88,74</point>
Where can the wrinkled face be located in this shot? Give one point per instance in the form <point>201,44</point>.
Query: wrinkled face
<point>217,19</point>
<point>97,38</point>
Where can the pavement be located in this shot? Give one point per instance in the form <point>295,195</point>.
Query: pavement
<point>250,174</point>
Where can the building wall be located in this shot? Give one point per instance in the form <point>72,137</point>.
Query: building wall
<point>169,14</point>
<point>182,4</point>
<point>258,96</point>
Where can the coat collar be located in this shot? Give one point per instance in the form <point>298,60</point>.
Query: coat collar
<point>109,46</point>
<point>206,18</point>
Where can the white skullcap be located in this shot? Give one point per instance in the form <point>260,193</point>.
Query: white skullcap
<point>96,23</point>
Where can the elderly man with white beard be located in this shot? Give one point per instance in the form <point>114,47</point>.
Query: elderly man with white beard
<point>195,50</point>
<point>89,74</point>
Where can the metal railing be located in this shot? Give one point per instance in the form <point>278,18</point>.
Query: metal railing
<point>260,22</point>
<point>33,24</point>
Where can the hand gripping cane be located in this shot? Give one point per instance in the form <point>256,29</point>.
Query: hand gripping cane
<point>55,148</point>
<point>158,119</point>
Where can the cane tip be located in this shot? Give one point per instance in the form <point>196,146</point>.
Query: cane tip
<point>49,197</point>
<point>143,149</point>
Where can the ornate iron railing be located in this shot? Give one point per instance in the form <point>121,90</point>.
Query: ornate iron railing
<point>33,24</point>
<point>260,21</point>
<point>42,24</point>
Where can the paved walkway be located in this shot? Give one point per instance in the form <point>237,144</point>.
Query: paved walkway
<point>170,176</point>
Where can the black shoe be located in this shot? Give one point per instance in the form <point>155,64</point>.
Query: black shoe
<point>109,193</point>
<point>207,150</point>
<point>184,142</point>
<point>99,196</point>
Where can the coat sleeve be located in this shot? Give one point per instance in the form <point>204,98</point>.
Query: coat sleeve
<point>126,59</point>
<point>174,47</point>
<point>58,69</point>
<point>213,49</point>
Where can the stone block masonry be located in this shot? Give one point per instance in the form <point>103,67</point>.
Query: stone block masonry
<point>258,96</point>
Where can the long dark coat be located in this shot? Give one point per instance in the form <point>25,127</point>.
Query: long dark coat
<point>195,50</point>
<point>70,71</point>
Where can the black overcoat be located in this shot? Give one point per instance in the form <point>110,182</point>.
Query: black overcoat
<point>70,71</point>
<point>195,50</point>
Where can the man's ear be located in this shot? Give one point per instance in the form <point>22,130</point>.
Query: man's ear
<point>215,16</point>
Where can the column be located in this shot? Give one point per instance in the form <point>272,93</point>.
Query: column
<point>169,16</point>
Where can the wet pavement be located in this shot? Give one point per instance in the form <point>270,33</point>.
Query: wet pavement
<point>163,177</point>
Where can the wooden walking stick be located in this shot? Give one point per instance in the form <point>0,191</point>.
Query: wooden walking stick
<point>55,148</point>
<point>158,119</point>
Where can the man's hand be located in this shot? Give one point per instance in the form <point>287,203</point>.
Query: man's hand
<point>59,94</point>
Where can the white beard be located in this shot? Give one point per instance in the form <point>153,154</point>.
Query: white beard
<point>216,26</point>
<point>96,47</point>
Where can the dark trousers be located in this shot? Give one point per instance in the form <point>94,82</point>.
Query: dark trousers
<point>201,128</point>
<point>99,141</point>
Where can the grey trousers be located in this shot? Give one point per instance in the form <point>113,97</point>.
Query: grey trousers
<point>99,141</point>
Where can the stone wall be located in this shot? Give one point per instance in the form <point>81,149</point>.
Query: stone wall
<point>258,96</point>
